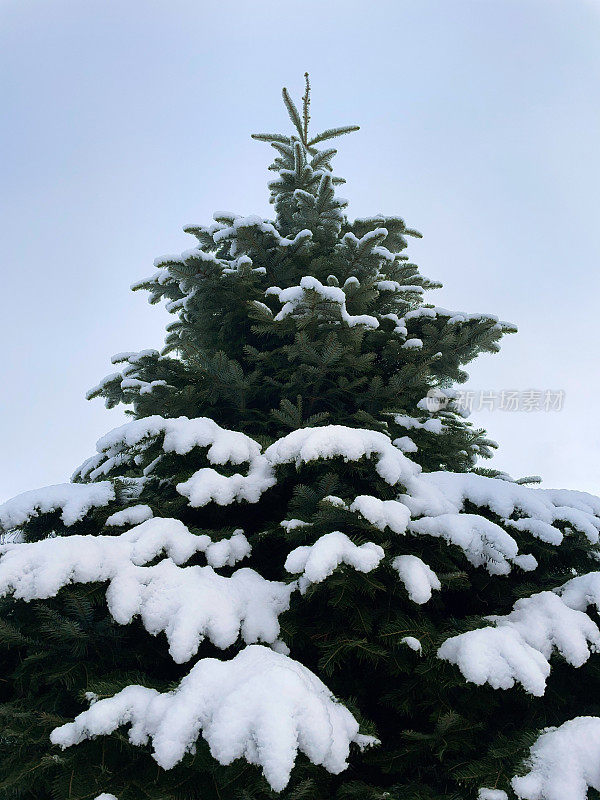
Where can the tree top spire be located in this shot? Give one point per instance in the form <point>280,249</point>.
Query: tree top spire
<point>301,122</point>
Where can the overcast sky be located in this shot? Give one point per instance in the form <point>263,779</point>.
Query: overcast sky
<point>124,120</point>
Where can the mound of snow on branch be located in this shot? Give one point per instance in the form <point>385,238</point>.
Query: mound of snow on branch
<point>297,298</point>
<point>492,794</point>
<point>563,763</point>
<point>187,604</point>
<point>446,493</point>
<point>517,649</point>
<point>319,560</point>
<point>261,706</point>
<point>483,542</point>
<point>134,515</point>
<point>382,513</point>
<point>417,576</point>
<point>581,592</point>
<point>351,444</point>
<point>74,500</point>
<point>180,436</point>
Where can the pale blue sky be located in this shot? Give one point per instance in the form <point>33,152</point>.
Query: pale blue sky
<point>122,121</point>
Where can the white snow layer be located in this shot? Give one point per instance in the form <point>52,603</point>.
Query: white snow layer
<point>319,560</point>
<point>298,297</point>
<point>492,794</point>
<point>517,648</point>
<point>382,513</point>
<point>74,500</point>
<point>417,576</point>
<point>581,592</point>
<point>134,515</point>
<point>446,492</point>
<point>412,642</point>
<point>433,425</point>
<point>180,436</point>
<point>563,762</point>
<point>351,444</point>
<point>483,542</point>
<point>438,497</point>
<point>261,706</point>
<point>187,603</point>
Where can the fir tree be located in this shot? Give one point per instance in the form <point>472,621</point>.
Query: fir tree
<point>295,514</point>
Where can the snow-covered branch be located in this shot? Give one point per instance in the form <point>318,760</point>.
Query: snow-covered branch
<point>517,648</point>
<point>261,706</point>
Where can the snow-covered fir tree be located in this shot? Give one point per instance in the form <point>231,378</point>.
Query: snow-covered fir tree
<point>286,574</point>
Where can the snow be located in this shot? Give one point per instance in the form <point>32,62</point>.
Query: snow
<point>412,642</point>
<point>430,425</point>
<point>417,576</point>
<point>334,500</point>
<point>517,649</point>
<point>319,560</point>
<point>547,623</point>
<point>492,794</point>
<point>294,298</point>
<point>526,562</point>
<point>144,569</point>
<point>581,591</point>
<point>293,524</point>
<point>563,762</point>
<point>74,500</point>
<point>382,513</point>
<point>105,796</point>
<point>444,492</point>
<point>260,705</point>
<point>144,387</point>
<point>133,515</point>
<point>536,527</point>
<point>454,317</point>
<point>483,542</point>
<point>227,552</point>
<point>498,656</point>
<point>412,344</point>
<point>384,253</point>
<point>263,307</point>
<point>188,604</point>
<point>406,444</point>
<point>400,328</point>
<point>100,386</point>
<point>207,484</point>
<point>180,436</point>
<point>255,223</point>
<point>351,444</point>
<point>351,281</point>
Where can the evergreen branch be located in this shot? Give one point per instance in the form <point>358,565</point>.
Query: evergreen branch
<point>306,109</point>
<point>270,137</point>
<point>333,133</point>
<point>293,112</point>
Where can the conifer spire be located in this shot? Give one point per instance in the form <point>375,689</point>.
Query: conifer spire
<point>301,124</point>
<point>306,108</point>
